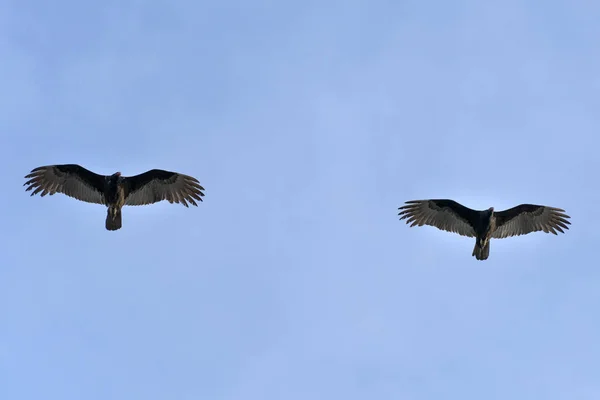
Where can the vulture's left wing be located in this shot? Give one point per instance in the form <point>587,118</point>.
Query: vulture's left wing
<point>444,214</point>
<point>157,185</point>
<point>70,179</point>
<point>527,218</point>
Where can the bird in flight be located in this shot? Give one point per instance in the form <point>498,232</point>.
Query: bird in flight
<point>114,191</point>
<point>448,215</point>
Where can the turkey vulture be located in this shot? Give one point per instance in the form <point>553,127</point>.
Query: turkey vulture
<point>448,215</point>
<point>114,191</point>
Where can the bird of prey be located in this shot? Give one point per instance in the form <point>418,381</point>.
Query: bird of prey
<point>448,215</point>
<point>114,191</point>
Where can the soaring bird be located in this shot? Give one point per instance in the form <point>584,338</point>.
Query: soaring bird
<point>448,215</point>
<point>114,191</point>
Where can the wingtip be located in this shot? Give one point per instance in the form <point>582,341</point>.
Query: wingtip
<point>557,209</point>
<point>38,168</point>
<point>408,204</point>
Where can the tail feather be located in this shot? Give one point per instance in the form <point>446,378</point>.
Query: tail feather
<point>481,253</point>
<point>113,222</point>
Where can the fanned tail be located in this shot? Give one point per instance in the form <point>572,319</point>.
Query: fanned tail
<point>113,219</point>
<point>481,253</point>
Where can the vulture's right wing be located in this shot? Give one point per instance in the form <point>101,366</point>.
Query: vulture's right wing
<point>527,218</point>
<point>70,179</point>
<point>447,215</point>
<point>158,185</point>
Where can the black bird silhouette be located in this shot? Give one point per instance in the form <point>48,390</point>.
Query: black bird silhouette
<point>114,191</point>
<point>448,215</point>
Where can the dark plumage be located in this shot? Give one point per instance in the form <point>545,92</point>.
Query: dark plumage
<point>448,215</point>
<point>114,191</point>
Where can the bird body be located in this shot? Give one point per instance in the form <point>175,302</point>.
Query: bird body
<point>114,191</point>
<point>115,199</point>
<point>483,225</point>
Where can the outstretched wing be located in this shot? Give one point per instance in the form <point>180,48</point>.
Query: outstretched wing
<point>527,218</point>
<point>157,185</point>
<point>70,179</point>
<point>447,215</point>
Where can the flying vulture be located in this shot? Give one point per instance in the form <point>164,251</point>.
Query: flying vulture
<point>448,215</point>
<point>114,191</point>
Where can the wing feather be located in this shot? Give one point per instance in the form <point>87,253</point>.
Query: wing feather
<point>157,185</point>
<point>70,179</point>
<point>443,214</point>
<point>527,218</point>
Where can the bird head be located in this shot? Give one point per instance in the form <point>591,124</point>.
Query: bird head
<point>491,210</point>
<point>115,177</point>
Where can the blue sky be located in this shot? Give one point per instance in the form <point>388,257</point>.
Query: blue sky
<point>308,123</point>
